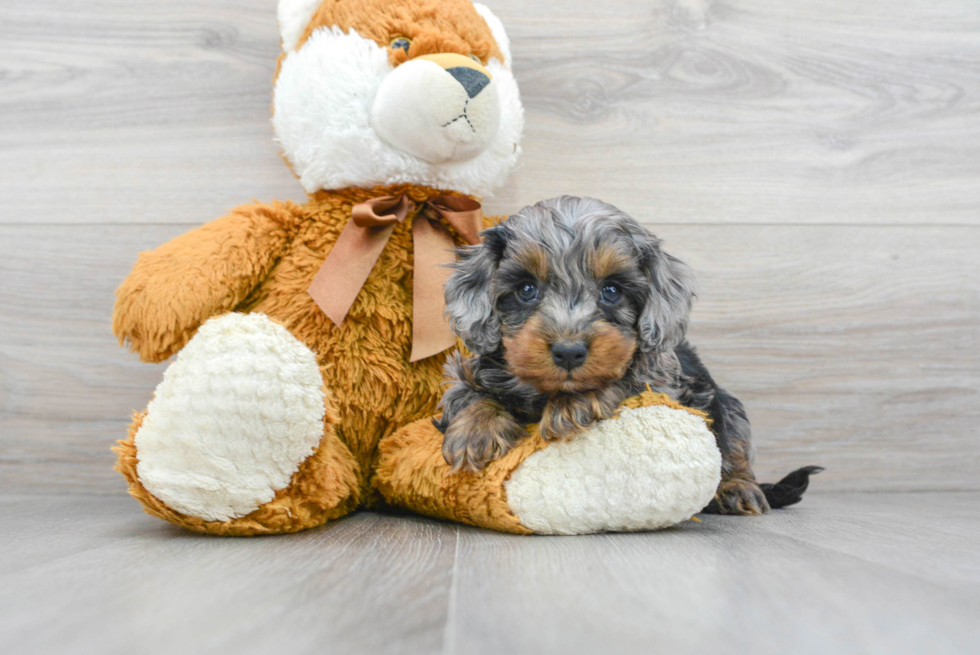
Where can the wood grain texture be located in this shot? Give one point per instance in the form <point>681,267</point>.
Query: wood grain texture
<point>755,111</point>
<point>818,165</point>
<point>857,348</point>
<point>680,110</point>
<point>130,112</point>
<point>781,583</point>
<point>135,584</point>
<point>841,573</point>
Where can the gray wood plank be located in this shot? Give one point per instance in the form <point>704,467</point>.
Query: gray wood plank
<point>857,347</point>
<point>842,573</point>
<point>893,530</point>
<point>122,582</point>
<point>758,112</point>
<point>695,112</point>
<point>853,347</point>
<point>123,112</point>
<point>729,584</point>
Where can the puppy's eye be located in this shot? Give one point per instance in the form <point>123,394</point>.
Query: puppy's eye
<point>402,43</point>
<point>611,294</point>
<point>528,292</point>
<point>476,59</point>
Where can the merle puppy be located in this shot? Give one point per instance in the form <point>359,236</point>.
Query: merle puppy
<point>570,306</point>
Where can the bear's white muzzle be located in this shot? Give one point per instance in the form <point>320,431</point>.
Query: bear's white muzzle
<point>439,108</point>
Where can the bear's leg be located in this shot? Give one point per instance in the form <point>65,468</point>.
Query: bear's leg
<point>653,465</point>
<point>240,438</point>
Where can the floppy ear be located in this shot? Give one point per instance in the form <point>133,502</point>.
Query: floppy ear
<point>497,29</point>
<point>663,321</point>
<point>294,16</point>
<point>469,303</point>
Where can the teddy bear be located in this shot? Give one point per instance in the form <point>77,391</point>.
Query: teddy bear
<point>310,339</point>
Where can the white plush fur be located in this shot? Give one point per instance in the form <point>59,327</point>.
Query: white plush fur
<point>497,29</point>
<point>648,468</point>
<point>294,16</point>
<point>324,97</point>
<point>236,414</point>
<point>422,110</point>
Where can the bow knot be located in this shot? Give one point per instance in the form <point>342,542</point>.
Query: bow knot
<point>357,249</point>
<point>383,211</point>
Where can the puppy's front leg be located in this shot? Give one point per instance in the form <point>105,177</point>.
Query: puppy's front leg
<point>738,492</point>
<point>565,415</point>
<point>476,428</point>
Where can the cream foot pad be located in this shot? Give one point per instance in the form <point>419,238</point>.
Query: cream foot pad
<point>236,414</point>
<point>649,468</point>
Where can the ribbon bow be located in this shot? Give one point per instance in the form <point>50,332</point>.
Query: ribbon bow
<point>347,267</point>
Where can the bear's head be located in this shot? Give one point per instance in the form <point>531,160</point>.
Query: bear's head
<point>382,92</point>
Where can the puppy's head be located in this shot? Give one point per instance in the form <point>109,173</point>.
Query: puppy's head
<point>570,289</point>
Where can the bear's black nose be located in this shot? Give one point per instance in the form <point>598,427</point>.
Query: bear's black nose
<point>569,356</point>
<point>472,80</point>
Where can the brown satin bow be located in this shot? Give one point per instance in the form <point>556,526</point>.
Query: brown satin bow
<point>347,267</point>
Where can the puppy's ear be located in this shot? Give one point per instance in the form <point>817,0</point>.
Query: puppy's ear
<point>663,321</point>
<point>469,303</point>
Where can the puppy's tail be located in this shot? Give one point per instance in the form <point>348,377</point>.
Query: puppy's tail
<point>789,490</point>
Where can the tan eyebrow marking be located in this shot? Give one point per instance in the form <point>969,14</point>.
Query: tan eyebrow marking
<point>534,258</point>
<point>606,261</point>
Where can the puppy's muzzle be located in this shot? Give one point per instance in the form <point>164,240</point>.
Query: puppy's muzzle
<point>569,355</point>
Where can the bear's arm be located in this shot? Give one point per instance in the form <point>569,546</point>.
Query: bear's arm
<point>172,290</point>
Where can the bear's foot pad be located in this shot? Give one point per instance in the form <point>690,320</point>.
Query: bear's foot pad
<point>236,414</point>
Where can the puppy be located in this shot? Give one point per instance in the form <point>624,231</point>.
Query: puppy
<point>570,306</point>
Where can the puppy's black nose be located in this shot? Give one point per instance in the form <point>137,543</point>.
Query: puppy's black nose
<point>569,355</point>
<point>472,80</point>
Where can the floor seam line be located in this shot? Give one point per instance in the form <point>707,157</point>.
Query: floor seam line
<point>449,632</point>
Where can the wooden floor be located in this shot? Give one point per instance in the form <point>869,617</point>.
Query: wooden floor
<point>840,573</point>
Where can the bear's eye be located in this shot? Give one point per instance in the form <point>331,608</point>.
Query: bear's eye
<point>611,294</point>
<point>476,59</point>
<point>400,42</point>
<point>528,292</point>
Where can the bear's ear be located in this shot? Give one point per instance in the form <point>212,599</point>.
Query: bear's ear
<point>497,29</point>
<point>294,16</point>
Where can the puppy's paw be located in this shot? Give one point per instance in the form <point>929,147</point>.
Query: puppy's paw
<point>738,497</point>
<point>479,433</point>
<point>564,416</point>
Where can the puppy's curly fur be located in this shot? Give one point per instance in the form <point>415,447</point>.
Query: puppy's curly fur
<point>570,306</point>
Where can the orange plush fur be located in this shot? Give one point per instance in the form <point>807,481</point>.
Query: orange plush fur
<point>433,26</point>
<point>411,473</point>
<point>262,258</point>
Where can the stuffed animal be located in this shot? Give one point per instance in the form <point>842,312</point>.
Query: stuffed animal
<point>310,340</point>
<point>653,465</point>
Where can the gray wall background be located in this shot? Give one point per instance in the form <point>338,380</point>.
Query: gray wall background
<point>817,163</point>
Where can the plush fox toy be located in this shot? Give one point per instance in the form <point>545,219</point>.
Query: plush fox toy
<point>310,340</point>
